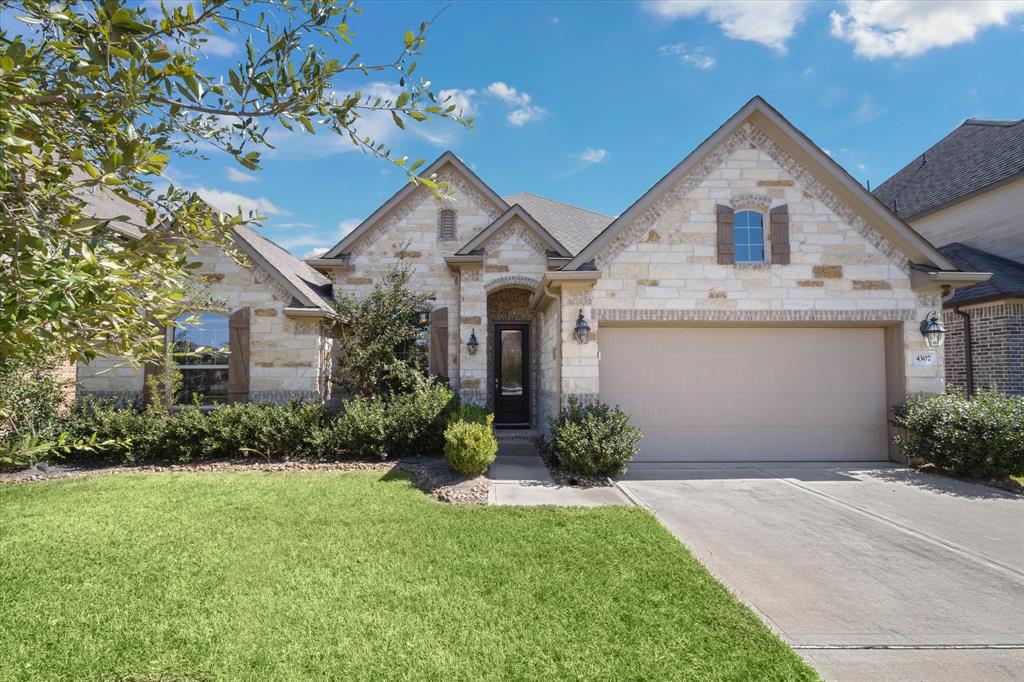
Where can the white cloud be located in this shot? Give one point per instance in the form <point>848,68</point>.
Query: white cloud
<point>289,225</point>
<point>235,175</point>
<point>827,151</point>
<point>696,57</point>
<point>593,156</point>
<point>867,110</point>
<point>218,46</point>
<point>902,28</point>
<point>508,94</point>
<point>769,22</point>
<point>462,99</point>
<point>315,253</point>
<point>229,202</point>
<point>522,116</point>
<point>302,240</point>
<point>347,225</point>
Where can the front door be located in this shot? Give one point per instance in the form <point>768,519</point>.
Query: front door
<point>511,374</point>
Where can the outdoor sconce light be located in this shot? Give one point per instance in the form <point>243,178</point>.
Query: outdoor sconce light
<point>582,329</point>
<point>932,330</point>
<point>472,344</point>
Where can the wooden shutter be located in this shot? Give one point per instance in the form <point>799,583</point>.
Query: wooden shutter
<point>152,370</point>
<point>726,245</point>
<point>439,342</point>
<point>238,359</point>
<point>780,234</point>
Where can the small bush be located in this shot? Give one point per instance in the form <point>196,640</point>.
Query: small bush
<point>31,401</point>
<point>404,424</point>
<point>594,440</point>
<point>470,447</point>
<point>979,437</point>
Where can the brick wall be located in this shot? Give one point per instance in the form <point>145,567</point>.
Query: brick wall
<point>997,336</point>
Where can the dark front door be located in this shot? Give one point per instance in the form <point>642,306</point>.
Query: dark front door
<point>511,374</point>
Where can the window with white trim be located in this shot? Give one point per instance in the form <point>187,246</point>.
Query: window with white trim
<point>749,235</point>
<point>200,348</point>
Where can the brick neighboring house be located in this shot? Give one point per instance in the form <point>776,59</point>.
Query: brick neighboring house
<point>966,195</point>
<point>756,303</point>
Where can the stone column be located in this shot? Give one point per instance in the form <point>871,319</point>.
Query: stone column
<point>580,372</point>
<point>472,317</point>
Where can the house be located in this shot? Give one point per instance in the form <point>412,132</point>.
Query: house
<point>966,195</point>
<point>756,303</point>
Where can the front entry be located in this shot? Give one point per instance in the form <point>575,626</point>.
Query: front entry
<point>511,376</point>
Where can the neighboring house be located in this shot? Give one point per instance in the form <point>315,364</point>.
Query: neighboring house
<point>755,304</point>
<point>966,195</point>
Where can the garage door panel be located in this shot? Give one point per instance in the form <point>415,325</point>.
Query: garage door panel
<point>749,394</point>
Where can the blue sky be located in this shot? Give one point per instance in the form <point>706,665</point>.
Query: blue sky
<point>591,103</point>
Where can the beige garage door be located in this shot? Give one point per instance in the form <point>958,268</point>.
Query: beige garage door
<point>739,394</point>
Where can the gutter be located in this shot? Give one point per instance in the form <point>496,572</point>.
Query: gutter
<point>555,278</point>
<point>295,311</point>
<point>968,350</point>
<point>923,277</point>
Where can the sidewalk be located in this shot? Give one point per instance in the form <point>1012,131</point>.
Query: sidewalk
<point>519,476</point>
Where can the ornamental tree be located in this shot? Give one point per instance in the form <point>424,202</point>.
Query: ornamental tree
<point>96,96</point>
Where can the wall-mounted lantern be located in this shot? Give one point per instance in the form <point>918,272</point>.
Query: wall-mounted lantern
<point>472,344</point>
<point>582,329</point>
<point>932,330</point>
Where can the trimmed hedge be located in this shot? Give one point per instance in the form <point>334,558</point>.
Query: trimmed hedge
<point>470,447</point>
<point>594,440</point>
<point>980,437</point>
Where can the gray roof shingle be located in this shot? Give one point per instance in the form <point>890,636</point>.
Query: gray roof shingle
<point>978,154</point>
<point>315,288</point>
<point>572,226</point>
<point>1007,275</point>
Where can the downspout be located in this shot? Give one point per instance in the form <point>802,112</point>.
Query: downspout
<point>968,350</point>
<point>558,349</point>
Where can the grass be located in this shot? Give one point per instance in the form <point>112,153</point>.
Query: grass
<point>353,576</point>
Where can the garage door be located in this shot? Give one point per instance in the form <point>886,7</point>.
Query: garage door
<point>739,394</point>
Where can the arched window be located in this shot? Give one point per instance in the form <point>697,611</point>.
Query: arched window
<point>749,231</point>
<point>200,348</point>
<point>446,224</point>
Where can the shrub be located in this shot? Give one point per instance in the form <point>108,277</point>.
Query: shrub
<point>470,447</point>
<point>131,436</point>
<point>402,424</point>
<point>979,437</point>
<point>594,440</point>
<point>191,434</point>
<point>31,399</point>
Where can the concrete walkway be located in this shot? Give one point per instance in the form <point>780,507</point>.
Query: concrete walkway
<point>519,476</point>
<point>872,572</point>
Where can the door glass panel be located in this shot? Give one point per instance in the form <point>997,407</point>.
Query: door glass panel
<point>511,362</point>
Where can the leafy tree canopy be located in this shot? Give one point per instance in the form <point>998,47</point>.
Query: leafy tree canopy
<point>97,95</point>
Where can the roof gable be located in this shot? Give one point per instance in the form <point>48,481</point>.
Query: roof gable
<point>979,155</point>
<point>515,211</point>
<point>446,159</point>
<point>309,287</point>
<point>1007,275</point>
<point>785,138</point>
<point>573,226</point>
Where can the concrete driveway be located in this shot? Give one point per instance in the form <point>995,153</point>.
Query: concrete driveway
<point>869,572</point>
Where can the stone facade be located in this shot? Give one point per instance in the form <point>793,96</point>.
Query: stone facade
<point>664,266</point>
<point>997,339</point>
<point>411,230</point>
<point>288,357</point>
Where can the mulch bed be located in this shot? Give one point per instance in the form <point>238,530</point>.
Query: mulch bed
<point>563,477</point>
<point>433,476</point>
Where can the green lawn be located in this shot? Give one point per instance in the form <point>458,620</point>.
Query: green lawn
<point>352,576</point>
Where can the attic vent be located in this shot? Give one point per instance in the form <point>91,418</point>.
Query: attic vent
<point>446,224</point>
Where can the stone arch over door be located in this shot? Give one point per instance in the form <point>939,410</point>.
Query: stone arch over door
<point>510,303</point>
